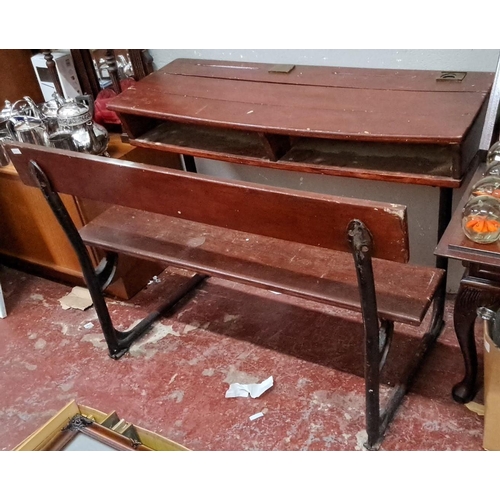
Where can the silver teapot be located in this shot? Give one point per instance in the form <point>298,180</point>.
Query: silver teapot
<point>60,123</point>
<point>49,110</point>
<point>74,116</point>
<point>26,122</point>
<point>5,115</point>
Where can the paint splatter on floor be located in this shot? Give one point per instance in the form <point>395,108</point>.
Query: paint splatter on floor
<point>174,379</point>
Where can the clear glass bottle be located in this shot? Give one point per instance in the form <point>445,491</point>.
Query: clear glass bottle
<point>481,219</point>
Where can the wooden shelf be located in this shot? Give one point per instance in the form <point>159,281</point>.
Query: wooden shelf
<point>422,164</point>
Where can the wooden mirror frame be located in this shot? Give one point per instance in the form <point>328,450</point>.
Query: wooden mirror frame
<point>141,60</point>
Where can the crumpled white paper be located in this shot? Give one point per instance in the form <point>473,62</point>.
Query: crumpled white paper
<point>249,390</point>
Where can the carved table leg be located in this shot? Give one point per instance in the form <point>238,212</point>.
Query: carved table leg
<point>51,66</point>
<point>113,70</point>
<point>468,300</point>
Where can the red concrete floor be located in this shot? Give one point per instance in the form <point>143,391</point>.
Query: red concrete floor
<point>174,379</point>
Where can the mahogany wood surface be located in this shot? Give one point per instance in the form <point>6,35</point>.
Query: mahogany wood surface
<point>389,79</point>
<point>251,114</point>
<point>335,103</point>
<point>19,77</point>
<point>312,219</point>
<point>301,270</point>
<point>31,239</point>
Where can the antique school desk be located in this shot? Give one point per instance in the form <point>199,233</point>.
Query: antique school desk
<point>401,126</point>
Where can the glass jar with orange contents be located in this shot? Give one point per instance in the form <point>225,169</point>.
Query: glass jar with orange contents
<point>487,186</point>
<point>481,219</point>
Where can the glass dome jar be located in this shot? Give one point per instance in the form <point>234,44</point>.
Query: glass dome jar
<point>487,186</point>
<point>493,154</point>
<point>493,169</point>
<point>481,219</point>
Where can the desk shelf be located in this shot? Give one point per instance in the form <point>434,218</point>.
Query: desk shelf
<point>435,165</point>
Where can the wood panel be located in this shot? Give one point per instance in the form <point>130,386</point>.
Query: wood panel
<point>315,109</point>
<point>388,79</point>
<point>18,76</point>
<point>422,164</point>
<point>296,269</point>
<point>313,219</point>
<point>36,239</point>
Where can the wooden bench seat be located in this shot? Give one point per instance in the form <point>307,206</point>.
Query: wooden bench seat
<point>404,292</point>
<point>351,253</point>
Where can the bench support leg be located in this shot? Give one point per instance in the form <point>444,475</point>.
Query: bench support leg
<point>361,243</point>
<point>377,339</point>
<point>98,279</point>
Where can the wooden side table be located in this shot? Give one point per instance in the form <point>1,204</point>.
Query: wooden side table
<point>479,287</point>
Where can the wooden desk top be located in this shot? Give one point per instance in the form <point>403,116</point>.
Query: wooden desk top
<point>455,245</point>
<point>312,101</point>
<point>378,124</point>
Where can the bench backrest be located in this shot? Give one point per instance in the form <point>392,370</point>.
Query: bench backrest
<point>303,217</point>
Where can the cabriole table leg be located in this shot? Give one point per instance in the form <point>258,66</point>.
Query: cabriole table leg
<point>468,300</point>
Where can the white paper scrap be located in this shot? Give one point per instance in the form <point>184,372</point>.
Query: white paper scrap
<point>256,416</point>
<point>88,326</point>
<point>245,390</point>
<point>78,298</point>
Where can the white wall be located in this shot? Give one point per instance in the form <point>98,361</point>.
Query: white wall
<point>435,59</point>
<point>422,201</point>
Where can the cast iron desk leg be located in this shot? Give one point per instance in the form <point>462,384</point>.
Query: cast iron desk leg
<point>444,217</point>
